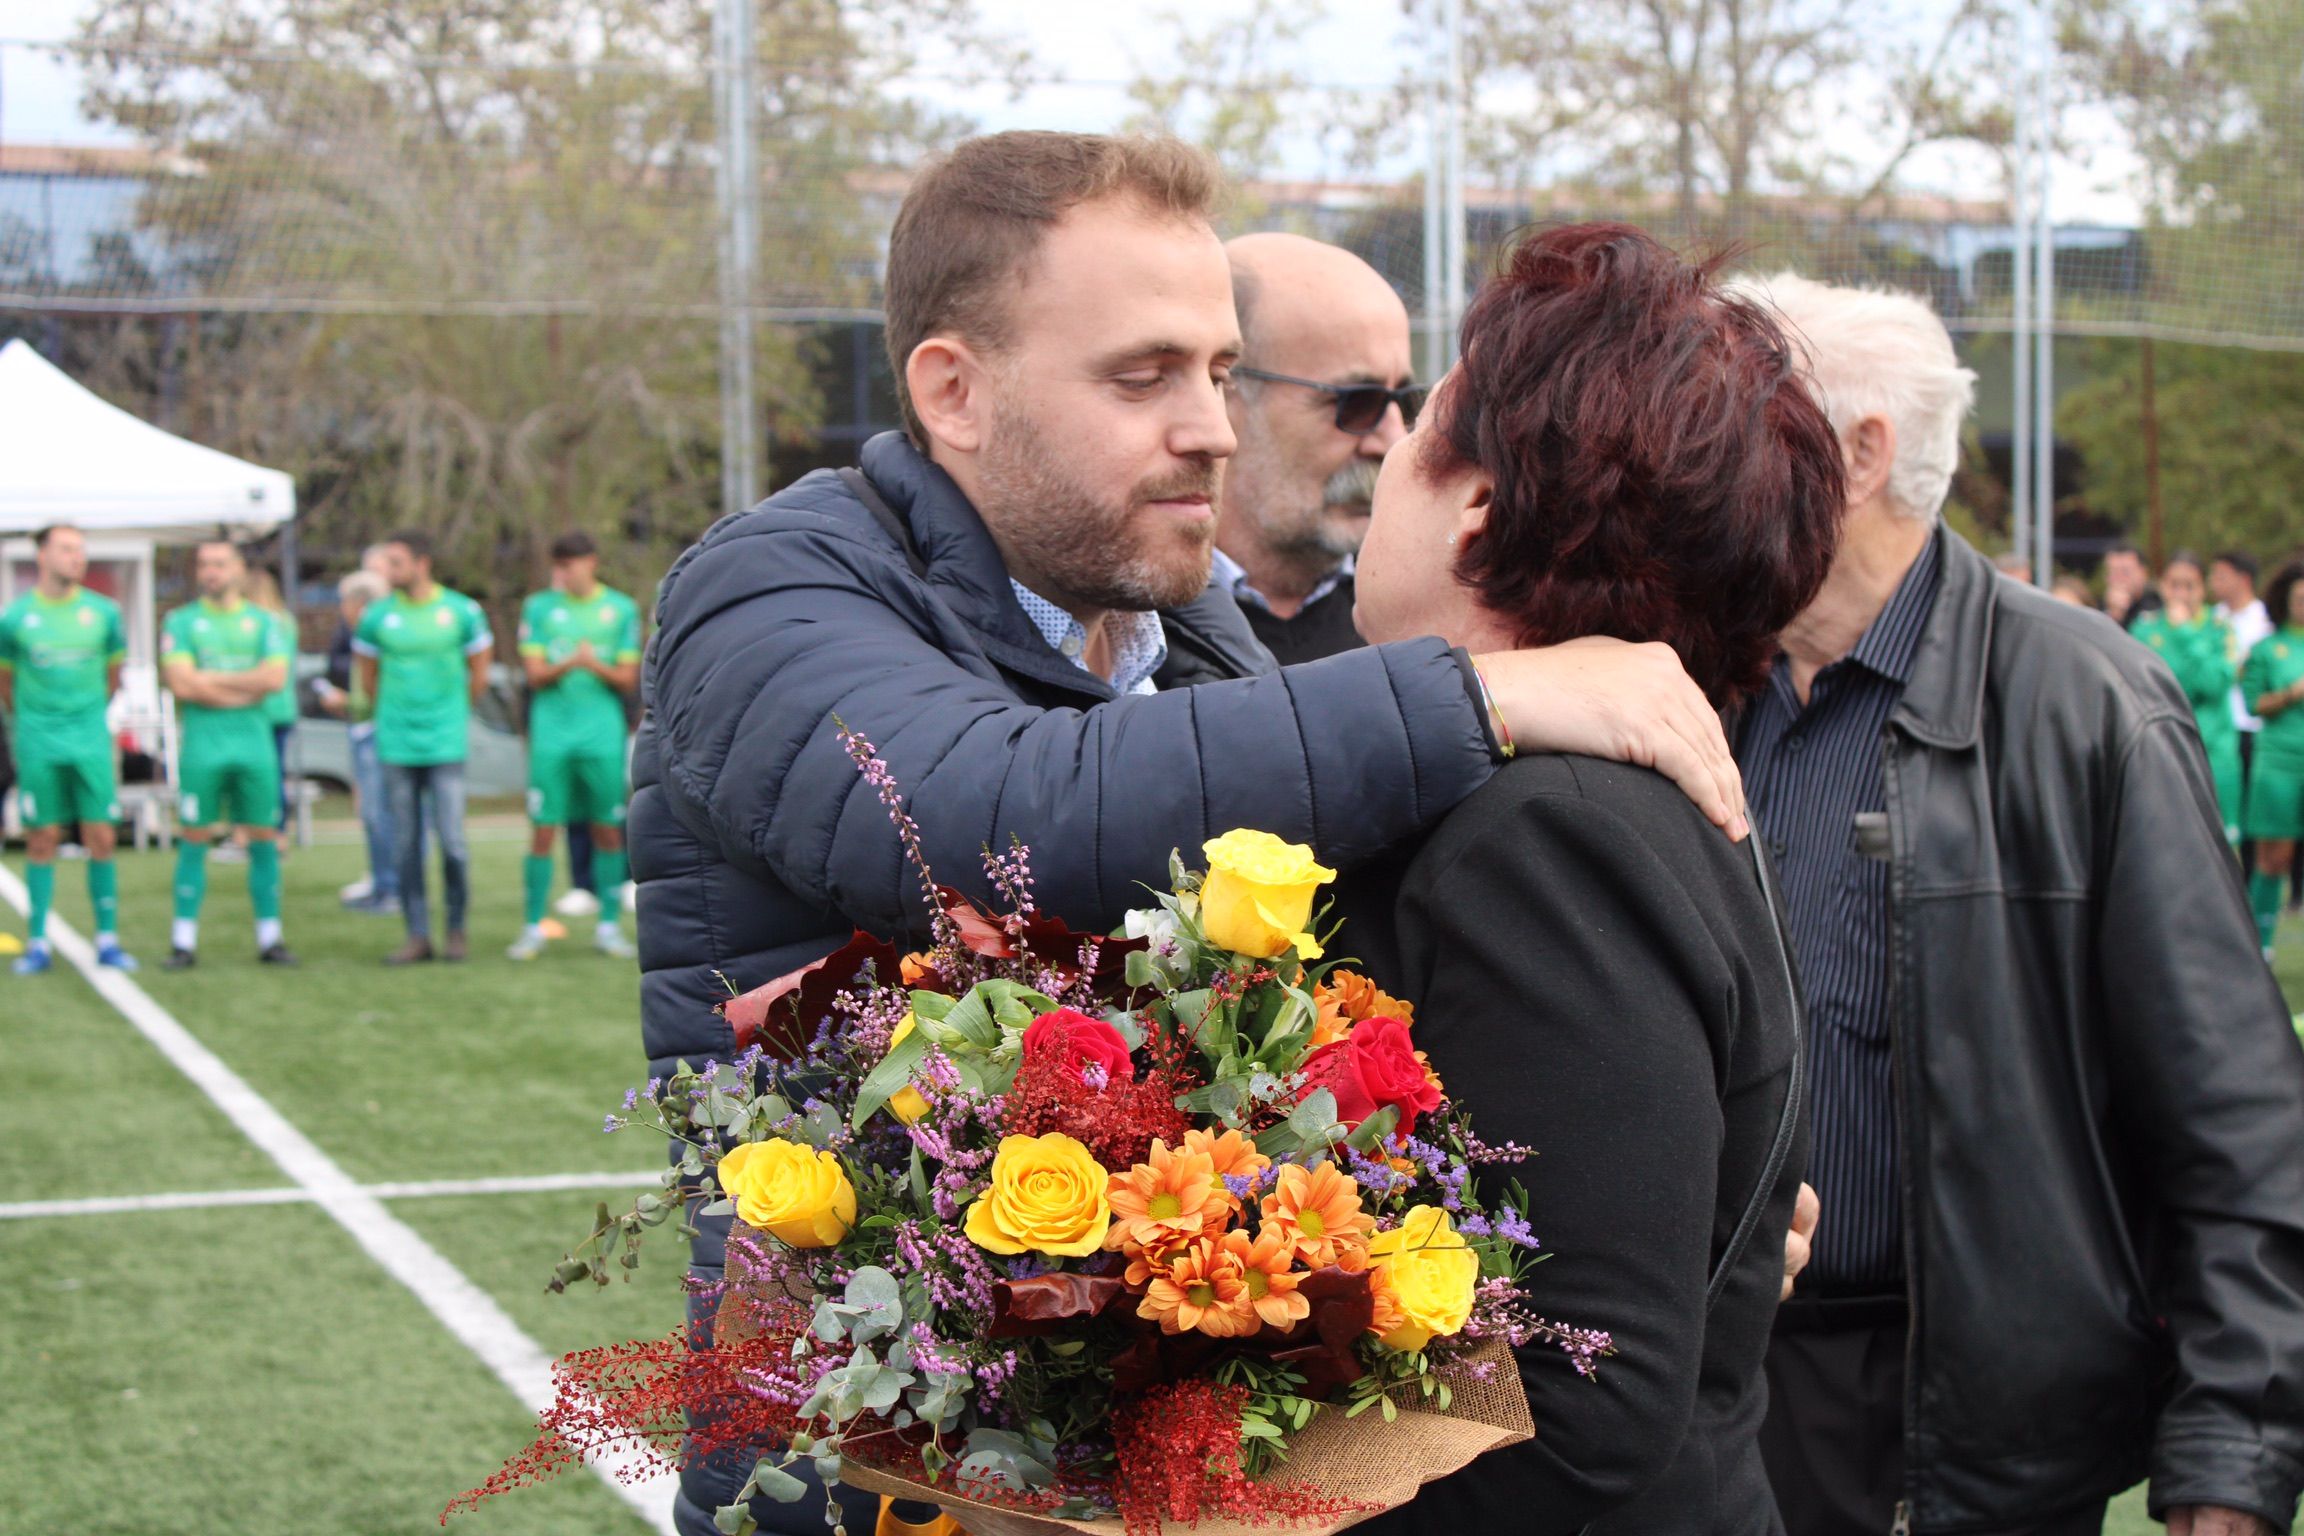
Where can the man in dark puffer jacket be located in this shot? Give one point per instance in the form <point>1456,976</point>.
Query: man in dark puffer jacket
<point>1022,626</point>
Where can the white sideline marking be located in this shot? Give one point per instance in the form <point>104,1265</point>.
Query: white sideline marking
<point>468,1312</point>
<point>121,1205</point>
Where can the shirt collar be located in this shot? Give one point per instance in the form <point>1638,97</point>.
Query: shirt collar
<point>1139,643</point>
<point>1890,645</point>
<point>1229,574</point>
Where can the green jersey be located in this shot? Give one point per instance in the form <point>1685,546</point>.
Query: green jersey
<point>238,637</point>
<point>60,656</point>
<point>280,707</point>
<point>580,715</point>
<point>2277,663</point>
<point>2200,654</point>
<point>423,687</point>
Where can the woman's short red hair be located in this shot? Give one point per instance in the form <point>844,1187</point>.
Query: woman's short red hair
<point>1660,472</point>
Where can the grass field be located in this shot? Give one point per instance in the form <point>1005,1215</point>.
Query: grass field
<point>248,1370</point>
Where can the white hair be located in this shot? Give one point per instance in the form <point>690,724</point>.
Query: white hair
<point>362,587</point>
<point>1870,352</point>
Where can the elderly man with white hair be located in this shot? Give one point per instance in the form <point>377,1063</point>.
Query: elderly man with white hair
<point>2058,1109</point>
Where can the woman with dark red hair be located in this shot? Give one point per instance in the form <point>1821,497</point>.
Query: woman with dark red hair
<point>1599,976</point>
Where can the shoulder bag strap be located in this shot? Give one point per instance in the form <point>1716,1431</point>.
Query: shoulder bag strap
<point>1795,1093</point>
<point>885,515</point>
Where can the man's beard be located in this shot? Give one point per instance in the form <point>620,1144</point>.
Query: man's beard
<point>1079,545</point>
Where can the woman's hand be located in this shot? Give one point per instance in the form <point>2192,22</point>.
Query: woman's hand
<point>1627,703</point>
<point>1800,1242</point>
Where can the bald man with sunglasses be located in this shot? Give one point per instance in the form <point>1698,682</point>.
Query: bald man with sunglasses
<point>1326,384</point>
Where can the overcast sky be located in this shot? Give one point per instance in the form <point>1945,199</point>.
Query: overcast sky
<point>1095,49</point>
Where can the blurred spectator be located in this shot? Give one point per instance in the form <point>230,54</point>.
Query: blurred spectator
<point>2197,646</point>
<point>379,890</point>
<point>2071,589</point>
<point>2043,1047</point>
<point>2013,566</point>
<point>2128,590</point>
<point>2272,682</point>
<point>263,591</point>
<point>2232,583</point>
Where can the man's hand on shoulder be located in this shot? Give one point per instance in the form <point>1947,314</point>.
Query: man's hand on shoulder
<point>2215,1520</point>
<point>1628,703</point>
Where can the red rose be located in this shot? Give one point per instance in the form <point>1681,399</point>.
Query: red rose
<point>1373,1066</point>
<point>1080,1039</point>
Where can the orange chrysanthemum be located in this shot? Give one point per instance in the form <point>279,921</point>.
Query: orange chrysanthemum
<point>1347,997</point>
<point>1317,1213</point>
<point>913,967</point>
<point>1160,1205</point>
<point>1203,1288</point>
<point>1266,1262</point>
<point>1231,1155</point>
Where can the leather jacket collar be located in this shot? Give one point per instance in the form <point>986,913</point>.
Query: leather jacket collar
<point>1943,703</point>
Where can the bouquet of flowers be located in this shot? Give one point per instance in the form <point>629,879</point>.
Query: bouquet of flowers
<point>1175,1225</point>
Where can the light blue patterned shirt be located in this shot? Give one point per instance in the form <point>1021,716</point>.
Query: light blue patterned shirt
<point>1229,574</point>
<point>1139,644</point>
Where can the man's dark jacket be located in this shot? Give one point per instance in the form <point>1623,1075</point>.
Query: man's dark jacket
<point>758,847</point>
<point>2101,1100</point>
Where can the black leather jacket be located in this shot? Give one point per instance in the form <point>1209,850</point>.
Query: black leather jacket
<point>2102,1101</point>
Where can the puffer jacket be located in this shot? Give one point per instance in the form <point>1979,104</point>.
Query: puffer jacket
<point>2101,1100</point>
<point>758,847</point>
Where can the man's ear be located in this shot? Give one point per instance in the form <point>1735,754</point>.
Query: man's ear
<point>1870,452</point>
<point>951,392</point>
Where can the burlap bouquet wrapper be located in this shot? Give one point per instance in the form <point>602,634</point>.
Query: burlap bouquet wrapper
<point>1365,1461</point>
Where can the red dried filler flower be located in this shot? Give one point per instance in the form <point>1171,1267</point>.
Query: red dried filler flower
<point>1117,1122</point>
<point>1179,1455</point>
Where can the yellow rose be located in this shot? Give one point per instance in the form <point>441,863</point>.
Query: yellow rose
<point>1258,894</point>
<point>906,1103</point>
<point>1432,1272</point>
<point>792,1192</point>
<point>1047,1196</point>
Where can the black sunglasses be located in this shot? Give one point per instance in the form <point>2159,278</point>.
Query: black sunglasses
<point>1359,407</point>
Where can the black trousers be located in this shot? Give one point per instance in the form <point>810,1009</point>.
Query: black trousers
<point>1834,1437</point>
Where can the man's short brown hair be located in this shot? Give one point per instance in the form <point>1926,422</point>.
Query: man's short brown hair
<point>973,220</point>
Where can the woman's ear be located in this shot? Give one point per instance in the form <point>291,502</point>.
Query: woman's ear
<point>1472,511</point>
<point>951,392</point>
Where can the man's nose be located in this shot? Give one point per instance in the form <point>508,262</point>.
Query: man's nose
<point>1204,424</point>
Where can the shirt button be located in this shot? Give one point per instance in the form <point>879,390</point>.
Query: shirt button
<point>1794,743</point>
<point>1779,850</point>
<point>1071,645</point>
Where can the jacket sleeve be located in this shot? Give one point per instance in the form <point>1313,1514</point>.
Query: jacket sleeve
<point>1563,976</point>
<point>773,639</point>
<point>2209,1101</point>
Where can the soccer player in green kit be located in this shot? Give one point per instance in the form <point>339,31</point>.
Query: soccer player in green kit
<point>2272,681</point>
<point>420,661</point>
<point>223,657</point>
<point>61,647</point>
<point>580,642</point>
<point>2197,646</point>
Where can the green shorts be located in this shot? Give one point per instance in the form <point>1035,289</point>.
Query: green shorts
<point>2275,802</point>
<point>566,787</point>
<point>54,792</point>
<point>228,789</point>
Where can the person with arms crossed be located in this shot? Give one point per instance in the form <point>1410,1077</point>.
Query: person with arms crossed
<point>422,655</point>
<point>2198,648</point>
<point>580,643</point>
<point>2058,1111</point>
<point>2272,682</point>
<point>61,648</point>
<point>222,657</point>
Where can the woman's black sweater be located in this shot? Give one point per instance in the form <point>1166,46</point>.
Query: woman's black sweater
<point>1596,977</point>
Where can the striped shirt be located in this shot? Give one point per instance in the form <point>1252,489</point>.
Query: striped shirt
<point>1813,778</point>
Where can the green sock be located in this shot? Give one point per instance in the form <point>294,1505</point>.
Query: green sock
<point>2264,894</point>
<point>191,878</point>
<point>104,895</point>
<point>264,878</point>
<point>40,880</point>
<point>610,867</point>
<point>535,886</point>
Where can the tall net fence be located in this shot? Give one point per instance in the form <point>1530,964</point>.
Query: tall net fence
<point>473,275</point>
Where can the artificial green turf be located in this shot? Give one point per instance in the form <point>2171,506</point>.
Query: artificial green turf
<point>429,1072</point>
<point>245,1372</point>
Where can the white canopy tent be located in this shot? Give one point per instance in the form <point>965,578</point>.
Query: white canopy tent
<point>69,456</point>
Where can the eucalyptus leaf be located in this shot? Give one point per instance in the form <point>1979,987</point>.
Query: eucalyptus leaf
<point>1374,1129</point>
<point>777,1484</point>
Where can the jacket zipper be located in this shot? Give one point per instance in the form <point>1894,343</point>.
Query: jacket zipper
<point>1900,1080</point>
